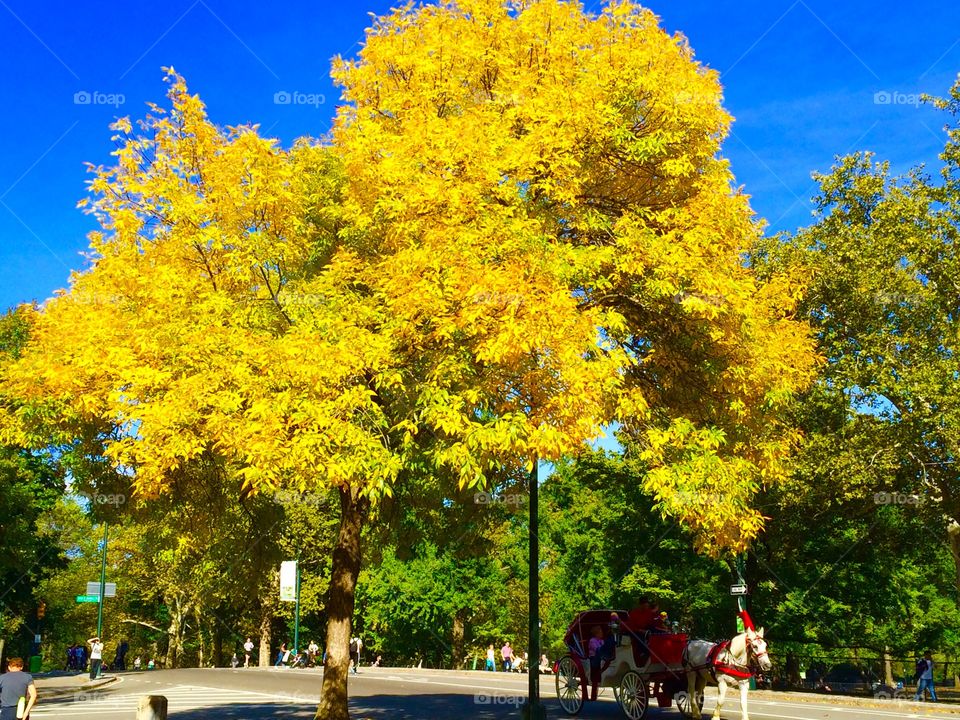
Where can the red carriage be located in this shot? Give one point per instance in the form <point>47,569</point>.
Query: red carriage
<point>638,662</point>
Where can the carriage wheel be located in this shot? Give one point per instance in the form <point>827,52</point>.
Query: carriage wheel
<point>569,685</point>
<point>682,699</point>
<point>632,695</point>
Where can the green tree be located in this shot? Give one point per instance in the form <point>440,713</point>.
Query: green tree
<point>30,483</point>
<point>876,475</point>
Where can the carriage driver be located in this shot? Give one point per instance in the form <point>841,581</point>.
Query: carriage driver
<point>643,617</point>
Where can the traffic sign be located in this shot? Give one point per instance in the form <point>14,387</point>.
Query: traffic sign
<point>109,589</point>
<point>739,590</point>
<point>88,598</point>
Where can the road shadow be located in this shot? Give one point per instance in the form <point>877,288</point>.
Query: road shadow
<point>476,707</point>
<point>407,707</point>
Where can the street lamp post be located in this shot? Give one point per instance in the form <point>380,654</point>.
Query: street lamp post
<point>533,710</point>
<point>296,621</point>
<point>740,566</point>
<point>103,581</point>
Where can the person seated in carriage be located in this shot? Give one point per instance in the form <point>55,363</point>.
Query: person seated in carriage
<point>601,647</point>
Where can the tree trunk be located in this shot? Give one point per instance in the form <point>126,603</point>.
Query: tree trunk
<point>266,621</point>
<point>218,645</point>
<point>459,631</point>
<point>343,584</point>
<point>200,642</point>
<point>953,534</point>
<point>887,666</point>
<point>175,632</point>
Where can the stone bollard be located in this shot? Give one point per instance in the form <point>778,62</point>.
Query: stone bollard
<point>152,707</point>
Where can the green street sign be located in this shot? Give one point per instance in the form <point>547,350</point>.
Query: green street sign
<point>88,598</point>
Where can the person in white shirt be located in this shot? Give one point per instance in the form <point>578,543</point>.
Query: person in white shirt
<point>247,652</point>
<point>96,656</point>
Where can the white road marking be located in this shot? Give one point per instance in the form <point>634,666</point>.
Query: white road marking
<point>180,698</point>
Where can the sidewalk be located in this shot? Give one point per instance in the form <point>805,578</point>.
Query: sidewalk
<point>904,702</point>
<point>59,684</point>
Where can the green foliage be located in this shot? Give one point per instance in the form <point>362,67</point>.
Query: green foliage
<point>860,552</point>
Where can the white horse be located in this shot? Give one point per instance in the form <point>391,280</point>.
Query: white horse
<point>723,664</point>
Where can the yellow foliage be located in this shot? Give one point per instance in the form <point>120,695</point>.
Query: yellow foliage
<point>521,231</point>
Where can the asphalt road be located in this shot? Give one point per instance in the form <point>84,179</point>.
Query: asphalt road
<point>405,694</point>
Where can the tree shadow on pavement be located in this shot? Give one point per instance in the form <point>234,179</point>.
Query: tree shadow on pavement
<point>402,707</point>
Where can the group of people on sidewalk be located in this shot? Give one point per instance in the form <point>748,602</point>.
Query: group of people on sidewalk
<point>78,656</point>
<point>513,662</point>
<point>310,658</point>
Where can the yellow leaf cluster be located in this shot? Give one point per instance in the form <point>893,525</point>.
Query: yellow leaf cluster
<point>522,230</point>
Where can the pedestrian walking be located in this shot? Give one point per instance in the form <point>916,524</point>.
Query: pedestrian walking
<point>247,652</point>
<point>96,656</point>
<point>281,655</point>
<point>925,677</point>
<point>491,659</point>
<point>355,646</point>
<point>506,652</point>
<point>120,659</point>
<point>18,694</point>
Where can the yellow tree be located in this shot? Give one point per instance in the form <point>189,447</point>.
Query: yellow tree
<point>229,310</point>
<point>492,146</point>
<point>521,230</point>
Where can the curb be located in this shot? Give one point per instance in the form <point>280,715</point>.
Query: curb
<point>61,692</point>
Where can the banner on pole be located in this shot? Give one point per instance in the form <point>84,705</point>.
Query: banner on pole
<point>288,581</point>
<point>109,589</point>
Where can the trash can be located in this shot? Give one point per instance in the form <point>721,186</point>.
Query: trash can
<point>36,663</point>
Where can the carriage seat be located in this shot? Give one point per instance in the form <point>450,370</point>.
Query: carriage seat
<point>667,648</point>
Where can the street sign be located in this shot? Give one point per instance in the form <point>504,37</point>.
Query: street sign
<point>738,590</point>
<point>88,598</point>
<point>109,589</point>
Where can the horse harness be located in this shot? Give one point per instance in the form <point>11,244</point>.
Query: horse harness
<point>720,660</point>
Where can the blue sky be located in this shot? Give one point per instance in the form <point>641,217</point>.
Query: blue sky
<point>801,77</point>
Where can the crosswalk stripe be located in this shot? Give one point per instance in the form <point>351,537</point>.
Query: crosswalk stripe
<point>179,697</point>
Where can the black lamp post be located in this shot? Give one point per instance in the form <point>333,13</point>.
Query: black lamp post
<point>532,709</point>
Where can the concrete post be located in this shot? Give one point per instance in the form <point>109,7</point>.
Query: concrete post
<point>152,707</point>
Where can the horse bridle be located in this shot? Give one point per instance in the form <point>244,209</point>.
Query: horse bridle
<point>753,653</point>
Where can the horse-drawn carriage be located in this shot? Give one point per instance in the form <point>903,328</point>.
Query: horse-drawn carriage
<point>639,663</point>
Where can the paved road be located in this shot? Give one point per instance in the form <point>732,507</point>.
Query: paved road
<point>401,694</point>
